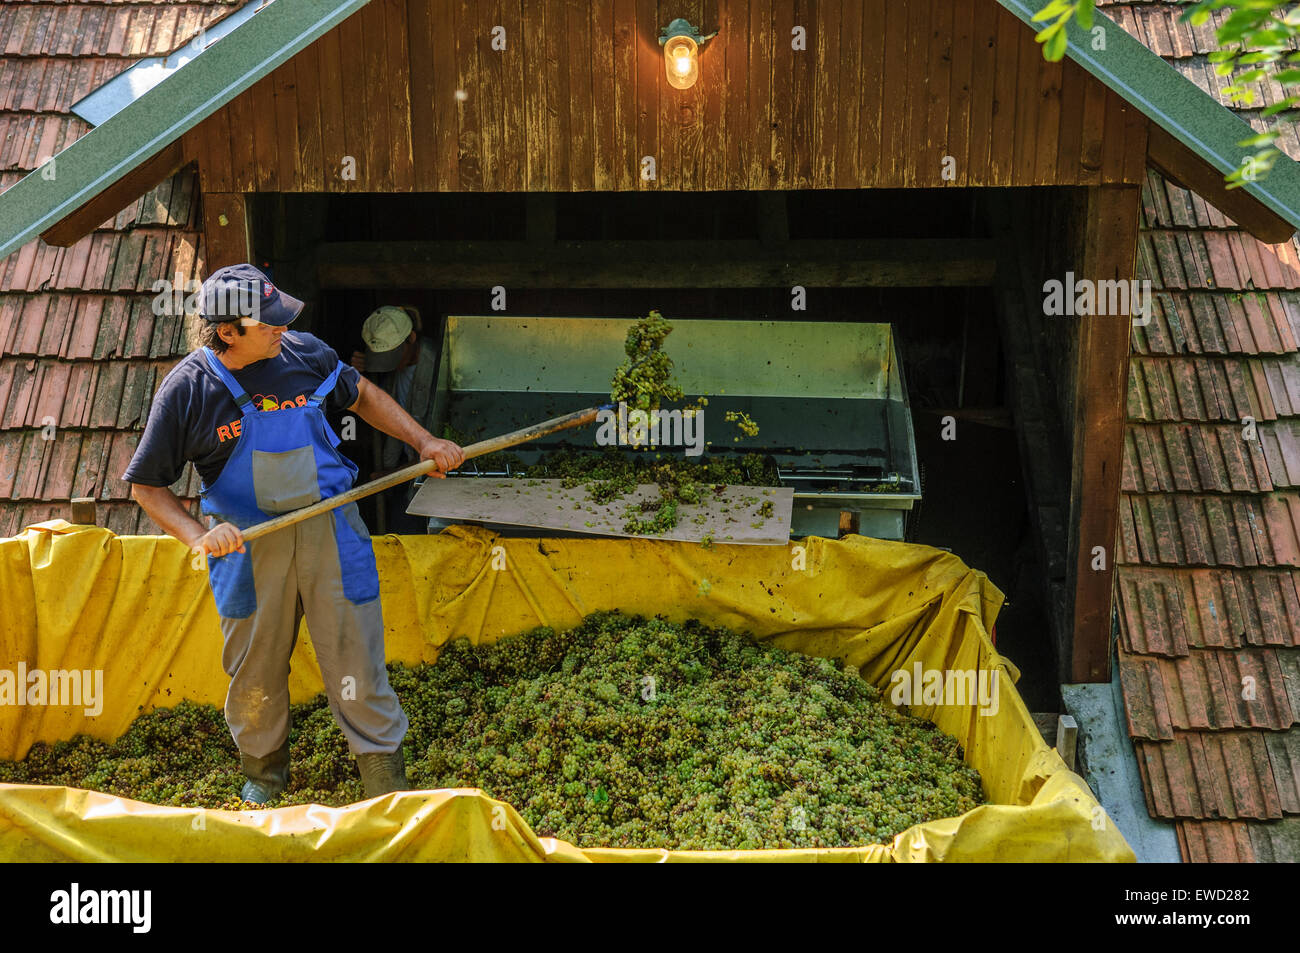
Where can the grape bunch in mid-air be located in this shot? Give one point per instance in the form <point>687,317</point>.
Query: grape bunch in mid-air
<point>644,379</point>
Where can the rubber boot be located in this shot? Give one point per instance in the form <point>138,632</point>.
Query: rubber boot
<point>383,772</point>
<point>267,777</point>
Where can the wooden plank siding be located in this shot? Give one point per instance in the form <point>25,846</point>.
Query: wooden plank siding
<point>417,94</point>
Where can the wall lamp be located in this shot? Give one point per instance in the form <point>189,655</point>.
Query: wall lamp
<point>681,43</point>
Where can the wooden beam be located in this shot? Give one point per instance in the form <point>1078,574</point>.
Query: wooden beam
<point>773,218</point>
<point>1108,253</point>
<point>225,230</point>
<point>539,217</point>
<point>659,264</point>
<point>83,510</point>
<point>1067,737</point>
<point>1040,435</point>
<point>292,248</point>
<point>1185,168</point>
<point>106,204</point>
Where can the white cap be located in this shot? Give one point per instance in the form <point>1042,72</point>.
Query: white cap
<point>384,333</point>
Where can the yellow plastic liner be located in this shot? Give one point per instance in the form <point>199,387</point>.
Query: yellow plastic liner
<point>139,609</point>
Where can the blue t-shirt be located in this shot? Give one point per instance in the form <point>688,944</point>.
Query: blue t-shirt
<point>194,417</point>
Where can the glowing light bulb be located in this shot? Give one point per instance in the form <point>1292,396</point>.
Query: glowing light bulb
<point>682,63</point>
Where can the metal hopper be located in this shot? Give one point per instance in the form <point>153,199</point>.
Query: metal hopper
<point>828,398</point>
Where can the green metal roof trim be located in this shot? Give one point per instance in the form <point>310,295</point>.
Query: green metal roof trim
<point>1176,104</point>
<point>160,116</point>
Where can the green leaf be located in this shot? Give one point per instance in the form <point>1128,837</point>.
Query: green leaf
<point>1278,107</point>
<point>1263,139</point>
<point>1242,21</point>
<point>1055,47</point>
<point>1084,13</point>
<point>1054,9</point>
<point>1269,38</point>
<point>1047,32</point>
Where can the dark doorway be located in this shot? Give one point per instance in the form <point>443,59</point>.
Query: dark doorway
<point>974,501</point>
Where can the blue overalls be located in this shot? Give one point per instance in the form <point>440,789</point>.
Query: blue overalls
<point>284,460</point>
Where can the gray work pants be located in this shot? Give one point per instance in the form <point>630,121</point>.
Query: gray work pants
<point>296,572</point>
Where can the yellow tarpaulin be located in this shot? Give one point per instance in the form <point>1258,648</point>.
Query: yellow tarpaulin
<point>138,609</point>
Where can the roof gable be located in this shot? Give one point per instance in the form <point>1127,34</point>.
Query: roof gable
<point>145,127</point>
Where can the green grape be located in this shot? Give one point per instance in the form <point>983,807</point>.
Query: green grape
<point>743,421</point>
<point>738,745</point>
<point>610,474</point>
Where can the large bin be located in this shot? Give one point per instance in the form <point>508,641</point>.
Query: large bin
<point>138,609</point>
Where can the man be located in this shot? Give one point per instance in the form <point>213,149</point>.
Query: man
<point>402,362</point>
<point>247,407</point>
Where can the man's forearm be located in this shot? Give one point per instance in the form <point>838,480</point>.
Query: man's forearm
<point>377,408</point>
<point>166,510</point>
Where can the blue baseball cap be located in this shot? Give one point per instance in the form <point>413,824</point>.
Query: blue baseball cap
<point>241,291</point>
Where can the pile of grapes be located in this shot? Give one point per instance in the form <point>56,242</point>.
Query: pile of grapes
<point>181,756</point>
<point>611,474</point>
<point>623,732</point>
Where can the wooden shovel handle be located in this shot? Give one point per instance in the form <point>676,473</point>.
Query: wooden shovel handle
<point>482,448</point>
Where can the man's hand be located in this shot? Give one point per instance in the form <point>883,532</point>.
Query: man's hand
<point>176,521</point>
<point>221,540</point>
<point>359,360</point>
<point>447,455</point>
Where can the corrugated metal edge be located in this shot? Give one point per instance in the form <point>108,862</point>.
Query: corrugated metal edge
<point>1174,103</point>
<point>159,117</point>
